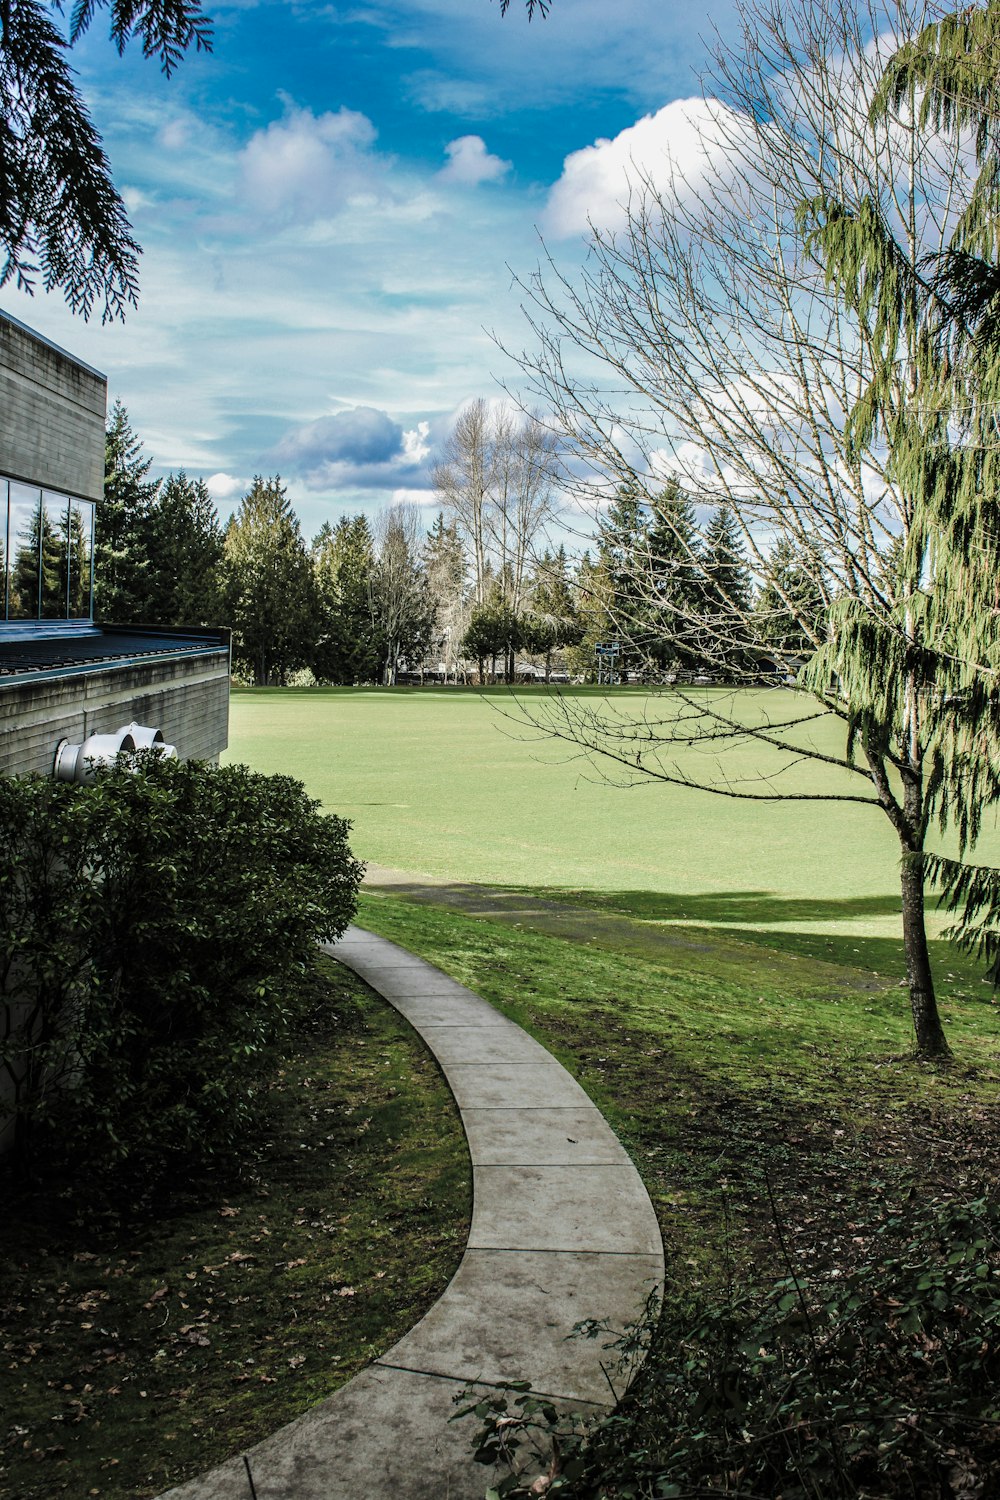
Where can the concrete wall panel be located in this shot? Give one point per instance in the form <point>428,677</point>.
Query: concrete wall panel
<point>52,413</point>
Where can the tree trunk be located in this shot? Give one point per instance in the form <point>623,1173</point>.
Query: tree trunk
<point>930,1035</point>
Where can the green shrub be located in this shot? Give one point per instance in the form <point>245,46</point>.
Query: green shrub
<point>882,1381</point>
<point>156,927</point>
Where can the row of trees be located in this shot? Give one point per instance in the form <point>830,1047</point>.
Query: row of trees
<point>479,588</point>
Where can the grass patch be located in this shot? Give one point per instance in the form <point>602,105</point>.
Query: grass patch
<point>733,1069</point>
<point>138,1351</point>
<point>443,783</point>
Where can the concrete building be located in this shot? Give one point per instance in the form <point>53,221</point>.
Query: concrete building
<point>64,677</point>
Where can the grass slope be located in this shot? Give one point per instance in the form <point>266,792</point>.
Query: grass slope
<point>726,1067</point>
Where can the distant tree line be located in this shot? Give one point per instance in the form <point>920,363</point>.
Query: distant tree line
<point>480,593</point>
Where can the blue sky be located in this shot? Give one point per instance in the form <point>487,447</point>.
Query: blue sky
<point>332,205</point>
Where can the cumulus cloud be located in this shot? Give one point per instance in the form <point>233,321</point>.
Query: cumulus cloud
<point>304,166</point>
<point>223,487</point>
<point>680,144</point>
<point>469,163</point>
<point>362,447</point>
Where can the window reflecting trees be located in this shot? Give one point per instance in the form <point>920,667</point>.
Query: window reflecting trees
<point>47,552</point>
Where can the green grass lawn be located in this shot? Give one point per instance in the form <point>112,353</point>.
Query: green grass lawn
<point>444,783</point>
<point>697,947</point>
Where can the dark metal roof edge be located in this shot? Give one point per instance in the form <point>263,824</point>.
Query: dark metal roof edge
<point>109,664</point>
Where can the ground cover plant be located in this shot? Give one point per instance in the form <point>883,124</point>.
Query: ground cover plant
<point>140,1346</point>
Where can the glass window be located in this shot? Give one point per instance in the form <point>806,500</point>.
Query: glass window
<point>24,535</point>
<point>81,548</point>
<point>55,556</point>
<point>4,525</point>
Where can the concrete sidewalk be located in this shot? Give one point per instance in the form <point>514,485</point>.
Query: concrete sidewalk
<point>562,1230</point>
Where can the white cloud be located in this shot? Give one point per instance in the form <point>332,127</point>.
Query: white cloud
<point>677,146</point>
<point>223,487</point>
<point>304,165</point>
<point>135,200</point>
<point>415,445</point>
<point>175,135</point>
<point>469,163</point>
<point>423,498</point>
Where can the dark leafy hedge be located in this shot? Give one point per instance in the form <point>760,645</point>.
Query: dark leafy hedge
<point>155,927</point>
<point>881,1382</point>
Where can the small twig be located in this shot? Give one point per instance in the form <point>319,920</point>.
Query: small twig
<point>253,1490</point>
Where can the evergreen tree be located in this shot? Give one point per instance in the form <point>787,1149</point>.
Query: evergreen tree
<point>623,558</point>
<point>347,648</point>
<point>186,548</point>
<point>24,600</point>
<point>445,570</point>
<point>726,597</point>
<point>671,593</point>
<point>268,585</point>
<point>790,609</point>
<point>61,216</point>
<point>551,621</point>
<point>123,567</point>
<point>593,597</point>
<point>494,633</point>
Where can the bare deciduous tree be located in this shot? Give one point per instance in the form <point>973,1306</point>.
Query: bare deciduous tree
<point>703,343</point>
<point>496,482</point>
<point>398,589</point>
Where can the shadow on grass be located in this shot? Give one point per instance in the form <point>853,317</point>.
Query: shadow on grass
<point>710,921</point>
<point>719,907</point>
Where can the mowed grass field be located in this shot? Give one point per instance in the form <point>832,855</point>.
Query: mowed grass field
<point>454,785</point>
<point>726,979</point>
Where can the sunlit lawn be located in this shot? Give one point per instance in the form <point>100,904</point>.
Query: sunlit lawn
<point>447,784</point>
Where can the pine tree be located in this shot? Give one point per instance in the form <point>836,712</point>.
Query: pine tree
<point>268,585</point>
<point>623,557</point>
<point>726,597</point>
<point>347,648</point>
<point>671,592</point>
<point>790,608</point>
<point>61,217</point>
<point>123,566</point>
<point>593,597</point>
<point>186,547</point>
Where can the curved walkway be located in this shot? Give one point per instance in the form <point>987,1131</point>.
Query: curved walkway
<point>562,1230</point>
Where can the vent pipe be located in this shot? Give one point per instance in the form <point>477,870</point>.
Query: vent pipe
<point>79,763</point>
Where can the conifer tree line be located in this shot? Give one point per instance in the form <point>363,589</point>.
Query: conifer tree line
<point>480,595</point>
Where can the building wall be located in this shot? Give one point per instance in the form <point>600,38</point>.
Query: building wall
<point>188,699</point>
<point>52,411</point>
